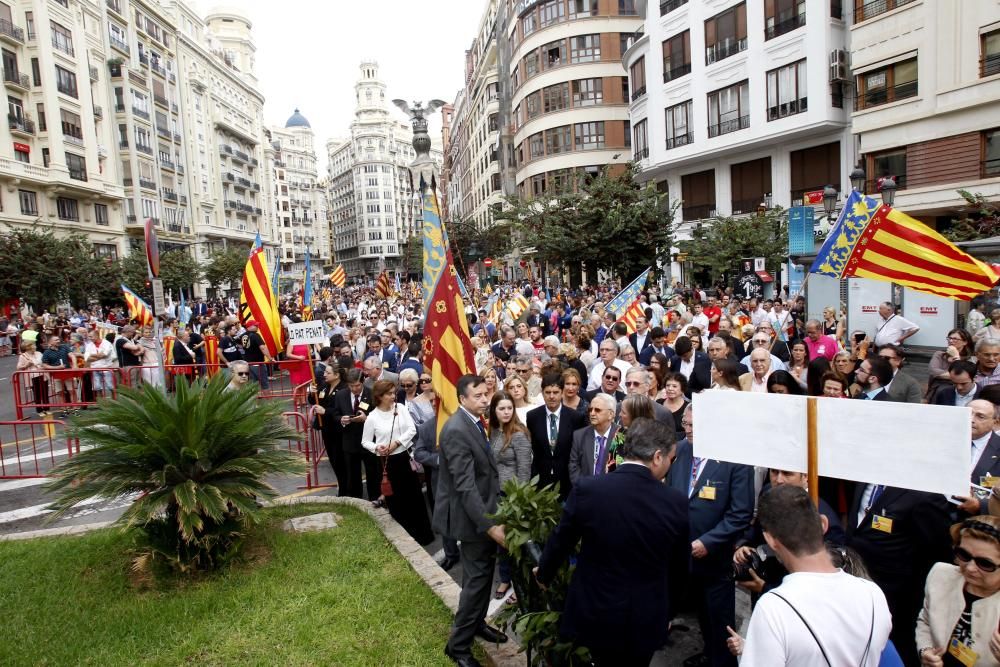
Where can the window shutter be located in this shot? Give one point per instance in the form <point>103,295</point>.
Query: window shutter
<point>741,21</point>
<point>768,9</point>
<point>710,37</point>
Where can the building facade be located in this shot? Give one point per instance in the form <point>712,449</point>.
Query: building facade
<point>370,171</point>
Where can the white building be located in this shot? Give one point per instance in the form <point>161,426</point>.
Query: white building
<point>385,213</point>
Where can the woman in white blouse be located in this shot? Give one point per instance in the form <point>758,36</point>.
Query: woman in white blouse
<point>389,432</point>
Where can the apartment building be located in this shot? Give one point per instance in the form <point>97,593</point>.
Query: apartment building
<point>386,208</point>
<point>457,174</point>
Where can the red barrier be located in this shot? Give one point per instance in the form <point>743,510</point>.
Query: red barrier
<point>311,446</point>
<point>33,448</point>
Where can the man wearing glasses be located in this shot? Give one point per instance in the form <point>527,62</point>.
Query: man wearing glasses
<point>591,444</point>
<point>240,371</point>
<point>610,384</point>
<point>762,339</point>
<point>608,351</point>
<point>637,381</point>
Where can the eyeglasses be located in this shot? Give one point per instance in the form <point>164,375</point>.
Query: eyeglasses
<point>984,564</point>
<point>523,370</point>
<point>425,380</point>
<point>633,384</point>
<point>760,341</point>
<point>611,377</point>
<point>598,410</point>
<point>407,385</point>
<point>243,375</point>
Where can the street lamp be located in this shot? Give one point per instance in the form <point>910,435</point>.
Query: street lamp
<point>858,179</point>
<point>888,190</point>
<point>829,200</point>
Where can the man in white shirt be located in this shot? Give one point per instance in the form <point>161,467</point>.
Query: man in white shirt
<point>779,319</point>
<point>608,350</point>
<point>100,354</point>
<point>820,615</point>
<point>893,329</point>
<point>698,318</point>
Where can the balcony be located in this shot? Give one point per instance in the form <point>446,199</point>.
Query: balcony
<point>680,140</point>
<point>144,59</point>
<point>229,204</point>
<point>70,139</point>
<point>727,126</point>
<point>119,108</point>
<point>169,194</point>
<point>167,164</point>
<point>143,148</point>
<point>668,6</point>
<point>161,100</point>
<point>115,70</point>
<point>119,44</point>
<point>98,112</point>
<point>184,200</point>
<point>747,206</point>
<point>880,96</point>
<point>131,220</point>
<point>163,132</point>
<point>797,197</point>
<point>254,161</point>
<point>785,26</point>
<point>722,50</point>
<point>229,178</point>
<point>11,32</point>
<point>225,149</point>
<point>641,154</point>
<point>94,75</point>
<point>872,9</point>
<point>158,69</point>
<point>140,113</point>
<point>20,125</point>
<point>123,145</point>
<point>127,181</point>
<point>16,80</point>
<point>638,92</point>
<point>115,6</point>
<point>78,174</point>
<point>149,185</point>
<point>989,65</point>
<point>698,212</point>
<point>178,228</point>
<point>676,73</point>
<point>246,183</point>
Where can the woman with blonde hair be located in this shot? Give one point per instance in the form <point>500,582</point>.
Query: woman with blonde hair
<point>517,390</point>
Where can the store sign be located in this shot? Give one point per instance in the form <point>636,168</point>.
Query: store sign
<point>22,148</point>
<point>929,310</point>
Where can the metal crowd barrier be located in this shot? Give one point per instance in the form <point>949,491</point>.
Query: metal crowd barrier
<point>33,448</point>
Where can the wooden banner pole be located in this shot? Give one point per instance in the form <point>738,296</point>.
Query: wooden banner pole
<point>813,469</point>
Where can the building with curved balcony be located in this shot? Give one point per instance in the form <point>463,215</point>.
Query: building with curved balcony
<point>569,93</point>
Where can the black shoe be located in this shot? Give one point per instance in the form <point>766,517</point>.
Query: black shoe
<point>462,660</point>
<point>491,635</point>
<point>696,660</point>
<point>447,563</point>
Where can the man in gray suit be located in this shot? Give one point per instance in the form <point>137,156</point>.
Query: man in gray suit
<point>638,381</point>
<point>589,455</point>
<point>903,388</point>
<point>467,489</point>
<point>375,372</point>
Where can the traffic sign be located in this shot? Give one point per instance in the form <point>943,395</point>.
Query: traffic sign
<point>488,262</point>
<point>159,306</point>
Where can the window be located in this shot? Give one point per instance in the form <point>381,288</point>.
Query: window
<point>625,41</point>
<point>582,8</point>
<point>866,9</point>
<point>587,92</point>
<point>750,182</point>
<point>589,136</point>
<point>10,71</point>
<point>533,104</point>
<point>22,155</point>
<point>77,166</point>
<point>558,140</point>
<point>65,81</point>
<point>729,109</point>
<point>551,12</point>
<point>68,209</point>
<point>29,24</point>
<point>556,97</point>
<point>813,169</point>
<point>536,146</point>
<point>40,112</point>
<point>782,16</point>
<point>786,91</point>
<point>667,6</point>
<point>101,215</point>
<point>679,125</point>
<point>990,49</point>
<point>554,54</point>
<point>515,79</point>
<point>62,39</point>
<point>726,34</point>
<point>29,202</point>
<point>71,125</point>
<point>105,250</point>
<point>887,84</point>
<point>637,76</point>
<point>640,140</point>
<point>528,24</point>
<point>698,195</point>
<point>530,65</point>
<point>45,157</point>
<point>677,56</point>
<point>887,164</point>
<point>626,8</point>
<point>36,72</point>
<point>991,153</point>
<point>538,184</point>
<point>585,48</point>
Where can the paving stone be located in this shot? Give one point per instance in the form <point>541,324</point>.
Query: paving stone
<point>311,523</point>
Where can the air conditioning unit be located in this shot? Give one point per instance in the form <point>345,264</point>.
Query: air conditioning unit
<point>838,65</point>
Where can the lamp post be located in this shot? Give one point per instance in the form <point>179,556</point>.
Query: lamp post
<point>858,179</point>
<point>829,200</point>
<point>888,190</point>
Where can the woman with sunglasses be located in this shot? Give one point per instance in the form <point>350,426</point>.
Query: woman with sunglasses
<point>959,622</point>
<point>421,406</point>
<point>334,380</point>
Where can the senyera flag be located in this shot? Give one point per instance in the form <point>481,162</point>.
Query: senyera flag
<point>138,309</point>
<point>258,301</point>
<point>339,277</point>
<point>873,240</point>
<point>448,351</point>
<point>383,288</point>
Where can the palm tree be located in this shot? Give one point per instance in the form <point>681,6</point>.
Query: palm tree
<point>195,461</point>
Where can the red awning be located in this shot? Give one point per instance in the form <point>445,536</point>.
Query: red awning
<point>765,276</point>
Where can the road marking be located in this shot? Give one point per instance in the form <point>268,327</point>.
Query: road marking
<point>22,483</point>
<point>28,457</point>
<point>41,510</point>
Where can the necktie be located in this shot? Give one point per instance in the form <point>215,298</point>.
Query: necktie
<point>553,430</point>
<point>357,398</point>
<point>695,464</point>
<point>876,494</point>
<point>482,429</point>
<point>601,442</point>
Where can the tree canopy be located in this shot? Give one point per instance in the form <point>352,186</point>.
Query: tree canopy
<point>716,245</point>
<point>226,267</point>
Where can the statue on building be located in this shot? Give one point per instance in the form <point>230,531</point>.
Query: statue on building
<point>423,166</point>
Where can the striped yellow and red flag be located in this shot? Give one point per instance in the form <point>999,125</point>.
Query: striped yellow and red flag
<point>634,311</point>
<point>448,351</point>
<point>258,301</point>
<point>383,287</point>
<point>138,309</point>
<point>339,277</point>
<point>873,240</point>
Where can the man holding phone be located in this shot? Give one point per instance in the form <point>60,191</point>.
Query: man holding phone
<point>351,408</point>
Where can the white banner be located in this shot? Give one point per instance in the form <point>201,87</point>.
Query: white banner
<point>307,333</point>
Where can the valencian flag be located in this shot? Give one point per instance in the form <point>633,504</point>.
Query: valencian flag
<point>873,240</point>
<point>258,301</point>
<point>383,288</point>
<point>448,351</point>
<point>338,277</point>
<point>307,291</point>
<point>138,309</point>
<point>626,306</point>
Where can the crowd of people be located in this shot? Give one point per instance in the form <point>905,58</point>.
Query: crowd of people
<point>566,393</point>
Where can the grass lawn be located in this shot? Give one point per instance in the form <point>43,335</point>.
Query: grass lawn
<point>344,597</point>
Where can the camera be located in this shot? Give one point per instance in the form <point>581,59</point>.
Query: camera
<point>858,337</point>
<point>762,561</point>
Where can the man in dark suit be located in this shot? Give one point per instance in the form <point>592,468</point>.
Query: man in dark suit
<point>383,357</point>
<point>427,454</point>
<point>551,428</point>
<point>903,388</point>
<point>963,389</point>
<point>900,534</point>
<point>985,453</point>
<point>701,371</point>
<point>467,490</point>
<point>659,345</point>
<point>718,348</point>
<point>589,455</point>
<point>642,338</point>
<point>720,505</point>
<point>351,408</point>
<point>633,557</point>
<point>611,382</point>
<point>874,374</point>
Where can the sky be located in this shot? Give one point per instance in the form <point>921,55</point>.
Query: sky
<point>309,53</point>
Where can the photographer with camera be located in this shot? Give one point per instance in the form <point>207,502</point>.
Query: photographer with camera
<point>755,568</point>
<point>820,615</point>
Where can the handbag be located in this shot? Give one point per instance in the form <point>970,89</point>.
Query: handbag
<point>386,486</point>
<point>415,465</point>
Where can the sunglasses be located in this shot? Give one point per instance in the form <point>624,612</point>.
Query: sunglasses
<point>611,377</point>
<point>596,410</point>
<point>633,384</point>
<point>425,380</point>
<point>243,375</point>
<point>984,564</point>
<point>407,385</point>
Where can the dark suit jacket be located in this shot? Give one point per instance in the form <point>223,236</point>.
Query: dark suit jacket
<point>552,466</point>
<point>947,395</point>
<point>701,376</point>
<point>387,357</point>
<point>989,462</point>
<point>343,405</point>
<point>581,458</point>
<point>589,395</point>
<point>615,600</point>
<point>717,523</point>
<point>647,354</point>
<point>881,396</point>
<point>633,339</point>
<point>468,481</point>
<point>181,357</point>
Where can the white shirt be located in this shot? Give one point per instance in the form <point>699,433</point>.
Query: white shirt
<point>978,445</point>
<point>687,367</point>
<point>701,321</point>
<point>104,348</point>
<point>381,430</point>
<point>962,401</point>
<point>839,608</point>
<point>892,329</point>
<point>597,373</point>
<point>776,363</point>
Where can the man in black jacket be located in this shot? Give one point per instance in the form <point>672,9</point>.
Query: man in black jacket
<point>352,408</point>
<point>551,428</point>
<point>633,555</point>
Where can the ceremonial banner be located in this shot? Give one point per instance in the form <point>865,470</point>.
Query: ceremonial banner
<point>628,296</point>
<point>258,301</point>
<point>138,309</point>
<point>873,240</point>
<point>338,277</point>
<point>448,351</point>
